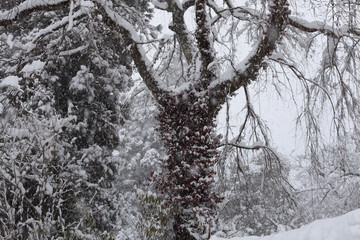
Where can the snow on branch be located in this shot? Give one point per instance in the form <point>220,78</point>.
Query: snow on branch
<point>118,20</point>
<point>27,7</point>
<point>132,39</point>
<point>178,25</point>
<point>239,12</point>
<point>318,26</point>
<point>74,51</point>
<point>204,43</point>
<point>255,146</point>
<point>29,46</point>
<point>55,26</point>
<point>160,5</point>
<point>249,68</point>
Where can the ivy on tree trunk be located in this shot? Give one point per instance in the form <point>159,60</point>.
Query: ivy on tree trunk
<point>188,132</point>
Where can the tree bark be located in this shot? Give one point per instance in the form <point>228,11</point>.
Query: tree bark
<point>188,132</point>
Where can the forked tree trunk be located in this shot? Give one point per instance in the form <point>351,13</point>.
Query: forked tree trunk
<point>188,132</point>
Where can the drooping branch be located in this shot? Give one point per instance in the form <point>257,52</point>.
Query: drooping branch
<point>294,21</point>
<point>28,7</point>
<point>248,69</point>
<point>279,19</point>
<point>252,147</point>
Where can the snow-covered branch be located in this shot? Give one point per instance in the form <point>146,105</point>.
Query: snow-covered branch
<point>55,26</point>
<point>27,7</point>
<point>242,12</point>
<point>249,68</point>
<point>111,17</point>
<point>131,39</point>
<point>74,51</point>
<point>318,26</point>
<point>239,12</point>
<point>255,146</point>
<point>36,6</point>
<point>204,42</point>
<point>178,25</point>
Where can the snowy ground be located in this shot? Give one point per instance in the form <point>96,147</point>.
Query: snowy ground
<point>345,227</point>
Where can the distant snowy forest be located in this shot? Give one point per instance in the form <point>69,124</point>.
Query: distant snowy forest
<point>113,127</point>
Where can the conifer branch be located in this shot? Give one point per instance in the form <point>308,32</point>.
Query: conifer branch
<point>28,7</point>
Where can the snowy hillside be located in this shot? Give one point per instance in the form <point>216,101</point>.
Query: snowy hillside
<point>345,227</point>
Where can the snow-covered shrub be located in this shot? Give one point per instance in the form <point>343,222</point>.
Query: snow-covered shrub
<point>38,177</point>
<point>51,186</point>
<point>76,74</point>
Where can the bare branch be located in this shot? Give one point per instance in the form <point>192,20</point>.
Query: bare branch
<point>240,12</point>
<point>351,174</point>
<point>253,147</point>
<point>256,147</point>
<point>248,70</point>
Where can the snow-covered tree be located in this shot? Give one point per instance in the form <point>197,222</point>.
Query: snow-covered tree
<point>67,74</point>
<point>288,47</point>
<point>139,154</point>
<point>39,180</point>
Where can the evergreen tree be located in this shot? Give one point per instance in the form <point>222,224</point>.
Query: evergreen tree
<point>77,80</point>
